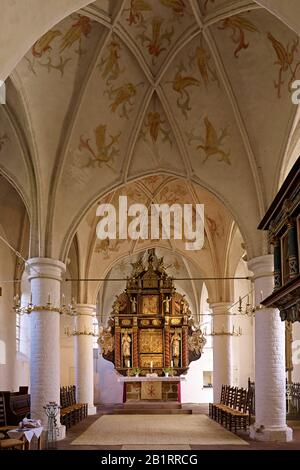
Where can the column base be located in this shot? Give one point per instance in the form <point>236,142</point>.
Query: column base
<point>61,433</point>
<point>92,410</point>
<point>279,434</point>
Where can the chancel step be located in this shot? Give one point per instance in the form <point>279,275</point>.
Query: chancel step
<point>151,408</point>
<point>152,411</point>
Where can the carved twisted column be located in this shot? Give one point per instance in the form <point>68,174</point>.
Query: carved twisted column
<point>185,351</point>
<point>118,347</point>
<point>167,346</point>
<point>135,351</point>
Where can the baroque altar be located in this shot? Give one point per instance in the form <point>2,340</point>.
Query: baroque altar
<point>151,326</point>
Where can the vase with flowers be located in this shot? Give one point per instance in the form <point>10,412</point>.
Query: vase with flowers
<point>135,371</point>
<point>168,371</point>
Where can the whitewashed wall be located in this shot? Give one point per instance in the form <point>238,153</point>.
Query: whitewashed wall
<point>107,389</point>
<point>242,346</point>
<point>7,321</point>
<point>296,352</point>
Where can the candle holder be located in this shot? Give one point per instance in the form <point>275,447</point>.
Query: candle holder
<point>245,309</point>
<point>48,307</point>
<point>80,333</point>
<point>223,332</point>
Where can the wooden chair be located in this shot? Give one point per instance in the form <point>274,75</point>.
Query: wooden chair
<point>11,444</point>
<point>71,412</point>
<point>5,441</point>
<point>234,409</point>
<point>4,428</point>
<point>213,406</point>
<point>239,417</point>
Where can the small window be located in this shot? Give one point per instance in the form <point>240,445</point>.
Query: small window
<point>207,378</point>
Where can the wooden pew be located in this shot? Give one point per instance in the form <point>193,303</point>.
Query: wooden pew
<point>17,406</point>
<point>234,408</point>
<point>71,412</point>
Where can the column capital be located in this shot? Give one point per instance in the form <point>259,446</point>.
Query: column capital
<point>47,268</point>
<point>220,306</point>
<point>86,309</point>
<point>261,266</point>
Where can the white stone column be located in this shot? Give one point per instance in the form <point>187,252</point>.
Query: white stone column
<point>222,350</point>
<point>84,360</point>
<point>270,401</point>
<point>45,276</point>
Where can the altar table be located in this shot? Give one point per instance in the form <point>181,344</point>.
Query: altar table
<point>147,388</point>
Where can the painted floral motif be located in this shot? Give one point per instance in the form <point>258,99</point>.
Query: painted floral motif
<point>136,10</point>
<point>106,147</point>
<point>3,139</point>
<point>107,246</point>
<point>158,40</point>
<point>180,85</point>
<point>122,98</point>
<point>42,49</point>
<point>211,144</point>
<point>286,62</point>
<point>152,182</point>
<point>177,6</point>
<point>174,194</point>
<point>238,25</point>
<point>110,63</point>
<point>215,229</point>
<point>154,125</point>
<point>202,59</point>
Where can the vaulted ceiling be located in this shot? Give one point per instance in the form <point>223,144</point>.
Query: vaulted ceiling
<point>123,90</point>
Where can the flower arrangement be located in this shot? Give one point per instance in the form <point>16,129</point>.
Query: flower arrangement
<point>168,371</point>
<point>135,371</point>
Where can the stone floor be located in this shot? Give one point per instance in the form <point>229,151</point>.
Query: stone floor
<point>78,429</point>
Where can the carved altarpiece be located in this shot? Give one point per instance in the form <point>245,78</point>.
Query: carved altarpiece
<point>157,320</point>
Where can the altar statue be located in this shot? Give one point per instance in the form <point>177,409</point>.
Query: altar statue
<point>133,304</point>
<point>175,343</point>
<point>167,301</point>
<point>184,305</point>
<point>126,340</point>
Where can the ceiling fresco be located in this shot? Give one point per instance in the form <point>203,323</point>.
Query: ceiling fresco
<point>126,90</point>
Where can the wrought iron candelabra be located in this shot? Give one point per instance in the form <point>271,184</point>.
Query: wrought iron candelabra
<point>223,332</point>
<point>83,332</point>
<point>51,410</point>
<point>64,309</point>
